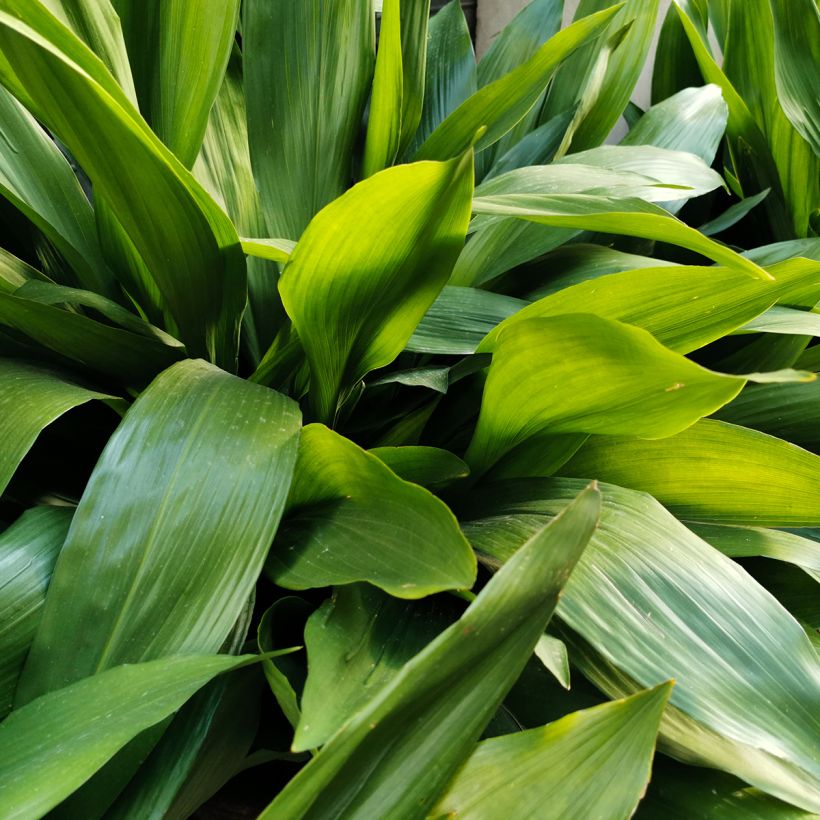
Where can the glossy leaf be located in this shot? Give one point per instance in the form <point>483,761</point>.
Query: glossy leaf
<point>351,519</point>
<point>53,745</point>
<point>435,708</point>
<point>426,466</point>
<point>713,472</point>
<point>301,137</point>
<point>629,216</point>
<point>683,307</point>
<point>593,763</point>
<point>169,483</point>
<point>188,245</point>
<point>31,398</point>
<point>628,383</point>
<point>745,690</point>
<point>501,104</point>
<point>368,268</point>
<point>28,550</point>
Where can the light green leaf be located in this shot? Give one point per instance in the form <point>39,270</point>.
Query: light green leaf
<point>369,266</point>
<point>415,15</point>
<point>786,321</point>
<point>28,550</point>
<point>578,373</point>
<point>302,137</point>
<point>171,489</point>
<point>38,181</point>
<point>622,71</point>
<point>797,54</point>
<point>649,600</point>
<point>436,707</point>
<point>552,652</point>
<point>628,216</point>
<point>274,250</point>
<point>31,398</point>
<point>713,472</point>
<point>184,239</point>
<point>51,746</point>
<point>14,272</point>
<point>503,103</point>
<point>683,307</point>
<point>384,124</point>
<point>357,642</point>
<point>460,318</point>
<point>593,763</point>
<point>351,519</point>
<point>427,466</point>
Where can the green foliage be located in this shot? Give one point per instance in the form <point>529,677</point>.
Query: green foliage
<point>314,346</point>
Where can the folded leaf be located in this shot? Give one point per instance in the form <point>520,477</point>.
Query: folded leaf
<point>578,373</point>
<point>369,266</point>
<point>593,763</point>
<point>196,476</point>
<point>351,519</point>
<point>649,601</point>
<point>713,472</point>
<point>31,398</point>
<point>683,307</point>
<point>51,746</point>
<point>183,238</point>
<point>28,550</point>
<point>501,104</point>
<point>396,754</point>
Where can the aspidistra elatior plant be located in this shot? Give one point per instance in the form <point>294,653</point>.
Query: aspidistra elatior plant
<point>391,433</point>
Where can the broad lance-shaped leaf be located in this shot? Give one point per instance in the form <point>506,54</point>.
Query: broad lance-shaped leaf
<point>369,266</point>
<point>713,472</point>
<point>51,746</point>
<point>503,103</point>
<point>31,398</point>
<point>196,476</point>
<point>797,54</point>
<point>422,465</point>
<point>182,238</point>
<point>684,307</point>
<point>350,518</point>
<point>36,178</point>
<point>592,763</point>
<point>579,373</point>
<point>395,755</point>
<point>621,73</point>
<point>649,601</point>
<point>628,216</point>
<point>302,137</point>
<point>28,550</point>
<point>357,642</point>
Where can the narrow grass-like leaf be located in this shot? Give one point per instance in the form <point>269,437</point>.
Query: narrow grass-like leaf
<point>368,268</point>
<point>629,217</point>
<point>351,519</point>
<point>171,490</point>
<point>746,692</point>
<point>593,763</point>
<point>28,550</point>
<point>435,708</point>
<point>51,746</point>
